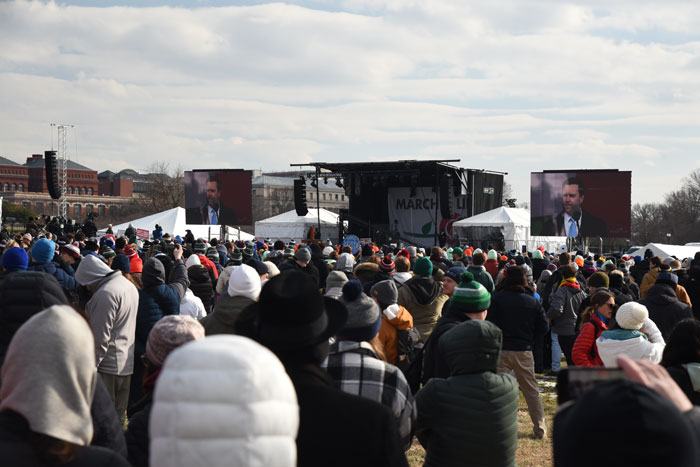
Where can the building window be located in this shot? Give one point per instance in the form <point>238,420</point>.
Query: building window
<point>14,187</point>
<point>312,195</point>
<point>89,191</point>
<point>76,211</point>
<point>113,210</point>
<point>324,197</point>
<point>82,191</point>
<point>39,208</point>
<point>336,196</point>
<point>101,209</point>
<point>69,190</point>
<point>342,197</point>
<point>88,209</point>
<point>20,187</point>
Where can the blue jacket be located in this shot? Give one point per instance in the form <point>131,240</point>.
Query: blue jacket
<point>65,279</point>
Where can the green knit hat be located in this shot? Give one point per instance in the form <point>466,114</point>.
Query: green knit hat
<point>458,251</point>
<point>423,267</point>
<point>470,296</point>
<point>599,279</point>
<point>492,254</point>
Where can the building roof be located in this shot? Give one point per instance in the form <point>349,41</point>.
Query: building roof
<point>5,161</point>
<point>39,163</point>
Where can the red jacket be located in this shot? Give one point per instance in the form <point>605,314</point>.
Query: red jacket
<point>585,351</point>
<point>491,266</point>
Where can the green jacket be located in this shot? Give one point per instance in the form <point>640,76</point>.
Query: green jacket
<point>482,276</point>
<point>470,418</point>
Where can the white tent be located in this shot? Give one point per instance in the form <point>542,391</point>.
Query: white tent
<point>289,226</point>
<point>173,222</point>
<point>664,251</point>
<point>510,225</point>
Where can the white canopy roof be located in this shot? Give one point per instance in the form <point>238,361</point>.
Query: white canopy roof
<point>289,226</point>
<point>514,224</point>
<point>173,222</point>
<point>664,251</point>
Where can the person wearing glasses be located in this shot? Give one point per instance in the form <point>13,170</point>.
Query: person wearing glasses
<point>594,319</point>
<point>631,333</point>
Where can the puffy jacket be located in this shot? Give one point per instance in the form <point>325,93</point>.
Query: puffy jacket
<point>223,400</point>
<point>616,342</point>
<point>563,310</point>
<point>65,280</point>
<point>423,298</point>
<point>365,272</point>
<point>585,350</point>
<point>648,281</point>
<point>395,318</point>
<point>200,285</point>
<point>223,319</point>
<point>520,317</point>
<point>491,266</point>
<point>470,418</point>
<point>158,299</point>
<point>665,310</point>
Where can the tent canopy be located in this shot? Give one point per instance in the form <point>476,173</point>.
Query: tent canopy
<point>664,251</point>
<point>507,228</point>
<point>173,222</point>
<point>289,226</point>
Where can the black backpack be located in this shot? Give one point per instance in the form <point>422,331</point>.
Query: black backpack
<point>410,356</point>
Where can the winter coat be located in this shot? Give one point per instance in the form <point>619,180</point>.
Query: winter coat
<point>482,276</point>
<point>191,305</point>
<point>334,424</point>
<point>200,285</point>
<point>66,281</point>
<point>378,277</point>
<point>471,417</point>
<point>434,363</point>
<point>291,265</point>
<point>665,310</point>
<point>491,266</point>
<point>136,434</point>
<point>423,298</point>
<point>158,299</point>
<point>639,270</point>
<point>520,317</point>
<point>538,265</point>
<point>322,267</point>
<point>563,310</point>
<point>17,445</point>
<point>615,342</point>
<point>365,272</point>
<point>223,319</point>
<point>648,281</point>
<point>585,350</point>
<point>553,284</point>
<point>395,318</point>
<point>680,374</point>
<point>692,286</point>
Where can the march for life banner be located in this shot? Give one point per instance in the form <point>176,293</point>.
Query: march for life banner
<point>416,215</point>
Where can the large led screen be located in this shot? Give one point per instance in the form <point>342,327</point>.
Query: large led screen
<point>218,197</point>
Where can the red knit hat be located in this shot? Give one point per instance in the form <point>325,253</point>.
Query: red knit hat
<point>404,252</point>
<point>387,265</point>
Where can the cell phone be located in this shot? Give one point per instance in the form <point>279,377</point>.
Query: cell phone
<point>573,382</point>
<point>524,248</point>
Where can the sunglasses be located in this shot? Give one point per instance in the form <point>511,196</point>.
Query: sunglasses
<point>612,306</point>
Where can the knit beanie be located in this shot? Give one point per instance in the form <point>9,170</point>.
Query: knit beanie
<point>345,262</point>
<point>478,250</point>
<point>667,277</point>
<point>631,316</point>
<point>200,247</point>
<point>455,273</point>
<point>258,265</point>
<point>537,254</point>
<point>244,281</point>
<point>303,254</point>
<point>121,263</point>
<point>364,316</point>
<point>43,250</point>
<point>336,279</point>
<point>15,258</point>
<point>403,252</point>
<point>412,251</point>
<point>387,265</point>
<point>171,332</point>
<point>193,260</point>
<point>327,251</point>
<point>367,250</point>
<point>213,255</point>
<point>588,263</point>
<point>469,296</point>
<point>458,251</point>
<point>423,267</point>
<point>108,252</point>
<point>599,279</point>
<point>385,292</point>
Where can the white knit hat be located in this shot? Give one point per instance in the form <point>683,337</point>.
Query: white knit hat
<point>192,261</point>
<point>244,281</point>
<point>631,316</point>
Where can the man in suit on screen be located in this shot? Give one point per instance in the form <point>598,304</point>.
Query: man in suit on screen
<point>573,220</point>
<point>212,213</point>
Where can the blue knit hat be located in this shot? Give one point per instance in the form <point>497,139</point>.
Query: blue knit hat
<point>43,250</point>
<point>15,258</point>
<point>121,263</point>
<point>455,273</point>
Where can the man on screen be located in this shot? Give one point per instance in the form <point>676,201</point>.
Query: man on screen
<point>573,220</point>
<point>213,213</point>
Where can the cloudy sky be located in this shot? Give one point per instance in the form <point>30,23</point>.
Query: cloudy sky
<point>512,85</point>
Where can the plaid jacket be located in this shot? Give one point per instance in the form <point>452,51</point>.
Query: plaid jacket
<point>357,370</point>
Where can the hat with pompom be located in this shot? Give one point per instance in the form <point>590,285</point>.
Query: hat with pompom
<point>631,316</point>
<point>469,296</point>
<point>364,316</point>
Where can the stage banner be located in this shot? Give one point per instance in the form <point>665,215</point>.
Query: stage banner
<point>415,216</point>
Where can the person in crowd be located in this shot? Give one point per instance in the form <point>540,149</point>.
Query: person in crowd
<point>692,286</point>
<point>395,318</point>
<point>212,255</point>
<point>479,271</point>
<point>470,418</point>
<point>649,278</point>
<point>332,423</point>
<point>618,287</point>
<point>121,263</point>
<point>555,280</point>
<point>357,364</point>
<point>403,270</point>
<point>470,301</point>
<point>458,255</point>
<point>46,402</point>
<point>365,271</point>
<point>595,319</point>
<point>423,298</point>
<point>42,254</point>
<point>167,334</point>
<point>449,282</point>
<point>319,262</point>
<point>334,284</point>
<point>682,358</point>
<point>200,282</point>
<point>243,289</point>
<point>385,271</point>
<point>491,264</point>
<point>191,305</point>
<point>301,262</point>
<point>539,264</point>
<point>14,260</point>
<point>632,334</point>
<point>563,312</point>
<point>158,298</point>
<point>649,422</point>
<point>346,264</point>
<point>135,262</point>
<point>520,317</point>
<point>111,312</point>
<point>665,310</point>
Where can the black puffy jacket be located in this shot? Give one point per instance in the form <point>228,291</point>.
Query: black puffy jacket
<point>200,285</point>
<point>665,310</point>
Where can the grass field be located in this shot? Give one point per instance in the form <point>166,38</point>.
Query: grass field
<point>531,452</point>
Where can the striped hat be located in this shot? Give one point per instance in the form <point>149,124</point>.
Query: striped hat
<point>387,265</point>
<point>469,296</point>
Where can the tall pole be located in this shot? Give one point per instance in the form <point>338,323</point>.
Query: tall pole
<point>437,203</point>
<point>62,130</point>
<point>318,202</point>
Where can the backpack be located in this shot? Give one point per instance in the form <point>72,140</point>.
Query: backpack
<point>410,356</point>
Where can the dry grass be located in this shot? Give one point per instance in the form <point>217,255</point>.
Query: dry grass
<point>530,451</point>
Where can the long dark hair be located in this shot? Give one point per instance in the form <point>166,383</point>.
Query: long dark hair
<point>683,344</point>
<point>599,298</point>
<point>514,280</point>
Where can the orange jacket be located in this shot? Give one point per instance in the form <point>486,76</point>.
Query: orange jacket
<point>403,321</point>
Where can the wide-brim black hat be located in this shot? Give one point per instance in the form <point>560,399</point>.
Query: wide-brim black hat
<point>292,314</point>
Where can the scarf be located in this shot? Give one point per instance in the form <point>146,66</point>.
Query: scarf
<point>602,318</point>
<point>570,282</point>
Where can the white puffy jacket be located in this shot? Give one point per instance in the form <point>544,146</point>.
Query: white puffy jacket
<point>637,348</point>
<point>223,401</point>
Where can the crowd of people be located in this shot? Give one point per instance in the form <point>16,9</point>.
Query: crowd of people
<point>179,351</point>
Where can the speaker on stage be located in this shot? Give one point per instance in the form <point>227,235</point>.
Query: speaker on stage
<point>51,174</point>
<point>300,197</point>
<point>446,198</point>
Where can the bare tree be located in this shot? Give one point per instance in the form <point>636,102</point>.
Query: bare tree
<point>682,210</point>
<point>648,223</point>
<point>165,189</point>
